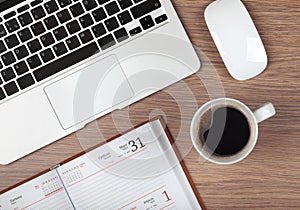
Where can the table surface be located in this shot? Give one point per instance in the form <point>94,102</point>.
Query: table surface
<point>269,178</point>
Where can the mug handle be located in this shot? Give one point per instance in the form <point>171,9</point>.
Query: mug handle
<point>264,112</point>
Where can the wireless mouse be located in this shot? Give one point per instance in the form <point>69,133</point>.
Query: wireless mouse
<point>236,38</point>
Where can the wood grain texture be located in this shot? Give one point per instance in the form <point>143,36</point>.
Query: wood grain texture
<point>270,177</point>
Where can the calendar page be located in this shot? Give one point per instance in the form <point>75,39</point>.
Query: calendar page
<point>43,192</point>
<point>138,170</point>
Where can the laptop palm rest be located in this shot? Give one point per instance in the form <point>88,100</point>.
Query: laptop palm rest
<point>88,92</point>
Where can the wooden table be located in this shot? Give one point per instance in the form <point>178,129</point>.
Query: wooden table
<point>270,177</point>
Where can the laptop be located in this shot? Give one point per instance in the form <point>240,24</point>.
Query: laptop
<point>65,63</point>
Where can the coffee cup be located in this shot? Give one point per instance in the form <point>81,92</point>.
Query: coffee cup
<point>225,131</point>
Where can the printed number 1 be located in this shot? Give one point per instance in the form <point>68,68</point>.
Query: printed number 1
<point>134,146</point>
<point>167,196</point>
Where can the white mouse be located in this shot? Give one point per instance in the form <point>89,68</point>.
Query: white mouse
<point>236,38</point>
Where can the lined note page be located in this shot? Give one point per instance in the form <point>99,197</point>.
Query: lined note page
<point>134,171</point>
<point>43,192</point>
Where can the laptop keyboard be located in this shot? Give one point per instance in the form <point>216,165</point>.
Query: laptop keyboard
<point>43,38</point>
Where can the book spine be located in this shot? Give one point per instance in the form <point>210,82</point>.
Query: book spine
<point>54,167</point>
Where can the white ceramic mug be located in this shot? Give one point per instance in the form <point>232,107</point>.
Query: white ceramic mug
<point>253,117</point>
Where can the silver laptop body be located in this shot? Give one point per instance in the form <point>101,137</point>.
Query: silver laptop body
<point>132,60</point>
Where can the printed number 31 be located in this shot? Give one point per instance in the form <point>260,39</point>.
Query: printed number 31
<point>135,145</point>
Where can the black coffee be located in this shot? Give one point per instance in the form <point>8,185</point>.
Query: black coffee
<point>229,132</point>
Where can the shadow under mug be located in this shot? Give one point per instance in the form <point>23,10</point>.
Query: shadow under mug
<point>253,117</point>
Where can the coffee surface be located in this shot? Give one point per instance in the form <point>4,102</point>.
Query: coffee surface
<point>229,132</point>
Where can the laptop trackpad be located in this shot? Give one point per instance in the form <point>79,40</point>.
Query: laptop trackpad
<point>90,91</point>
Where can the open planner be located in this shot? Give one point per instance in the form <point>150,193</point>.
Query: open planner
<point>140,169</point>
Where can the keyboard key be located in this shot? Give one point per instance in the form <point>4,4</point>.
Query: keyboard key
<point>36,2</point>
<point>60,33</point>
<point>64,3</point>
<point>12,25</point>
<point>135,31</point>
<point>111,24</point>
<point>2,47</point>
<point>34,46</point>
<point>89,4</point>
<point>99,30</point>
<point>12,41</point>
<point>38,28</point>
<point>47,39</point>
<point>112,8</point>
<point>9,15</point>
<point>73,42</point>
<point>23,9</point>
<point>60,49</point>
<point>147,22</point>
<point>86,36</point>
<point>161,18</point>
<point>21,52</point>
<point>11,88</point>
<point>76,10</point>
<point>1,66</point>
<point>124,17</point>
<point>107,42</point>
<point>99,14</point>
<point>102,1</point>
<point>47,55</point>
<point>121,35</point>
<point>66,61</point>
<point>64,16</point>
<point>8,58</point>
<point>51,6</point>
<point>145,8</point>
<point>73,27</point>
<point>25,35</point>
<point>8,74</point>
<point>34,61</point>
<point>2,31</point>
<point>86,20</point>
<point>38,12</point>
<point>25,81</point>
<point>51,22</point>
<point>21,68</point>
<point>25,19</point>
<point>125,3</point>
<point>2,94</point>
